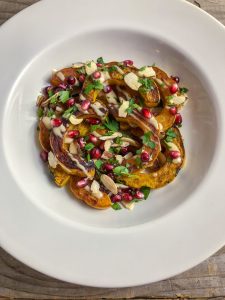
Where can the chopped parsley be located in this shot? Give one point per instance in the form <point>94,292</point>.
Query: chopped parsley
<point>132,106</point>
<point>120,170</point>
<point>116,206</point>
<point>40,112</point>
<point>138,151</point>
<point>96,85</point>
<point>147,141</point>
<point>50,93</point>
<point>118,141</point>
<point>88,157</point>
<point>89,64</point>
<point>95,127</point>
<point>170,135</point>
<point>183,90</point>
<point>142,68</point>
<point>53,99</point>
<point>100,60</point>
<point>146,191</point>
<point>98,163</point>
<point>138,160</point>
<point>81,70</point>
<point>146,83</point>
<point>112,69</point>
<point>50,113</point>
<point>89,146</point>
<point>69,112</point>
<point>64,96</point>
<point>112,125</point>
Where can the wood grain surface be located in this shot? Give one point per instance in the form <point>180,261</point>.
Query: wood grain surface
<point>206,281</point>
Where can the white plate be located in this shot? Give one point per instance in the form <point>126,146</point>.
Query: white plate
<point>181,224</point>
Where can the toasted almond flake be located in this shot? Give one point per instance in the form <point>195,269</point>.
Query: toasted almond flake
<point>87,188</point>
<point>119,158</point>
<point>125,144</point>
<point>131,80</point>
<point>109,184</point>
<point>178,100</point>
<point>95,186</point>
<point>74,120</point>
<point>110,137</point>
<point>60,75</point>
<point>97,106</point>
<point>119,70</point>
<point>82,98</point>
<point>112,97</point>
<point>128,205</point>
<point>128,155</point>
<point>160,127</point>
<point>106,75</point>
<point>54,71</point>
<point>107,145</point>
<point>90,69</point>
<point>154,122</point>
<point>106,155</point>
<point>77,65</point>
<point>52,160</point>
<point>177,160</point>
<point>73,148</point>
<point>121,186</point>
<point>95,133</point>
<point>47,122</point>
<point>129,140</point>
<point>147,72</point>
<point>59,109</point>
<point>68,140</point>
<point>123,109</point>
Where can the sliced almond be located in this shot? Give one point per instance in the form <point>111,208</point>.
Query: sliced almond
<point>132,81</point>
<point>109,184</point>
<point>121,186</point>
<point>154,122</point>
<point>95,133</point>
<point>68,140</point>
<point>95,186</point>
<point>74,120</point>
<point>123,109</point>
<point>47,122</point>
<point>119,70</point>
<point>110,137</point>
<point>60,75</point>
<point>112,97</point>
<point>107,145</point>
<point>178,100</point>
<point>73,149</point>
<point>147,72</point>
<point>128,205</point>
<point>52,160</point>
<point>129,140</point>
<point>119,158</point>
<point>90,67</point>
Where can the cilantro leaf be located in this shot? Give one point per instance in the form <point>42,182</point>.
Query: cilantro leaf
<point>183,90</point>
<point>100,60</point>
<point>147,141</point>
<point>69,112</point>
<point>50,92</point>
<point>146,83</point>
<point>112,125</point>
<point>40,112</point>
<point>146,191</point>
<point>53,100</point>
<point>89,146</point>
<point>50,113</point>
<point>138,160</point>
<point>139,151</point>
<point>95,127</point>
<point>142,68</point>
<point>88,157</point>
<point>170,132</point>
<point>120,170</point>
<point>96,85</point>
<point>116,206</point>
<point>98,163</point>
<point>132,106</point>
<point>64,96</point>
<point>112,69</point>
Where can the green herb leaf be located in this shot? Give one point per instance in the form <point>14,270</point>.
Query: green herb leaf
<point>96,85</point>
<point>64,96</point>
<point>95,127</point>
<point>120,170</point>
<point>53,100</point>
<point>147,140</point>
<point>50,113</point>
<point>67,113</point>
<point>118,141</point>
<point>112,125</point>
<point>89,64</point>
<point>40,112</point>
<point>146,191</point>
<point>89,146</point>
<point>138,160</point>
<point>100,60</point>
<point>142,68</point>
<point>98,163</point>
<point>170,132</point>
<point>50,93</point>
<point>112,69</point>
<point>146,83</point>
<point>183,90</point>
<point>116,206</point>
<point>132,106</point>
<point>81,70</point>
<point>138,151</point>
<point>88,157</point>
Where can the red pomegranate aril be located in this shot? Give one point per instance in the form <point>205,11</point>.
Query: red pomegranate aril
<point>111,175</point>
<point>56,122</point>
<point>44,155</point>
<point>62,86</point>
<point>82,78</point>
<point>71,80</point>
<point>128,62</point>
<point>176,78</point>
<point>93,139</point>
<point>73,133</point>
<point>93,121</point>
<point>108,167</point>
<point>174,154</point>
<point>139,195</point>
<point>145,156</point>
<point>173,88</point>
<point>82,183</point>
<point>70,102</point>
<point>124,150</point>
<point>173,110</point>
<point>116,198</point>
<point>178,119</point>
<point>96,75</point>
<point>81,142</point>
<point>95,153</point>
<point>146,113</point>
<point>102,145</point>
<point>99,65</point>
<point>107,89</point>
<point>85,104</point>
<point>126,197</point>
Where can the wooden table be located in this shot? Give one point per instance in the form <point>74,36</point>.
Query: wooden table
<point>207,280</point>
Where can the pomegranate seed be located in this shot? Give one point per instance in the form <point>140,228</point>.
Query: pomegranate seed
<point>73,133</point>
<point>56,122</point>
<point>81,142</point>
<point>70,102</point>
<point>174,154</point>
<point>102,146</point>
<point>97,75</point>
<point>107,89</point>
<point>82,183</point>
<point>174,88</point>
<point>58,89</point>
<point>44,155</point>
<point>116,198</point>
<point>178,119</point>
<point>145,156</point>
<point>111,175</point>
<point>126,197</point>
<point>124,150</point>
<point>128,62</point>
<point>176,78</point>
<point>95,153</point>
<point>139,195</point>
<point>173,110</point>
<point>82,78</point>
<point>62,86</point>
<point>146,113</point>
<point>93,139</point>
<point>99,65</point>
<point>85,104</point>
<point>93,121</point>
<point>108,167</point>
<point>71,80</point>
